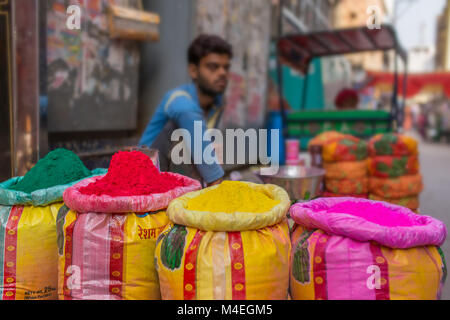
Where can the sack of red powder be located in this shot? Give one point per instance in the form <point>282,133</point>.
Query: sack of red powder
<point>108,227</point>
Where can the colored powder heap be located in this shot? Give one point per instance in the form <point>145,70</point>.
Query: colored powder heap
<point>230,197</point>
<point>59,167</point>
<point>374,212</point>
<point>132,174</point>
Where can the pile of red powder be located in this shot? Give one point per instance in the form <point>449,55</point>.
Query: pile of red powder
<point>132,174</point>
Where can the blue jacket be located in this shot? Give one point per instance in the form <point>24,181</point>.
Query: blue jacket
<point>184,110</point>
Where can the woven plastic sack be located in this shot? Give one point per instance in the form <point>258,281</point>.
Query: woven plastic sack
<point>224,256</point>
<point>392,144</point>
<point>412,202</point>
<point>106,244</point>
<point>328,194</point>
<point>392,166</point>
<point>326,137</point>
<point>348,186</point>
<point>28,256</point>
<point>345,149</point>
<point>346,170</point>
<point>341,256</point>
<point>396,188</point>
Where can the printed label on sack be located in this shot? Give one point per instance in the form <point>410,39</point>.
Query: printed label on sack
<point>43,293</point>
<point>145,234</point>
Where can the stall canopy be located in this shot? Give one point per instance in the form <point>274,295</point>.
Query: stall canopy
<point>415,82</point>
<point>298,50</point>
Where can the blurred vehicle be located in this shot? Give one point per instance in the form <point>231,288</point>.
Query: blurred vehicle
<point>298,50</point>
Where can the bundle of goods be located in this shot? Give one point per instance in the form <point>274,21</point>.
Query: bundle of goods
<point>108,226</point>
<point>229,241</point>
<point>345,163</point>
<point>394,170</point>
<point>358,249</point>
<point>28,209</point>
<point>316,144</point>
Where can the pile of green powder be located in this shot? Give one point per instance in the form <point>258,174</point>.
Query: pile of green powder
<point>59,167</point>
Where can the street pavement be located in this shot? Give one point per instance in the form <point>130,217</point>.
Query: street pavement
<point>435,198</point>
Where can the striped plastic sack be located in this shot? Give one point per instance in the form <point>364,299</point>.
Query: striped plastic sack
<point>392,144</point>
<point>346,170</point>
<point>412,202</point>
<point>348,186</point>
<point>396,188</point>
<point>106,244</point>
<point>28,250</point>
<point>224,256</point>
<point>345,149</point>
<point>341,256</point>
<point>393,166</point>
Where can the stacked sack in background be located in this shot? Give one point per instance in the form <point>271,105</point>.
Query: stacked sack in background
<point>358,249</point>
<point>28,210</point>
<point>108,227</point>
<point>229,241</point>
<point>345,163</point>
<point>394,170</point>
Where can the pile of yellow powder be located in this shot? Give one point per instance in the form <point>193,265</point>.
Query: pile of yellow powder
<point>232,196</point>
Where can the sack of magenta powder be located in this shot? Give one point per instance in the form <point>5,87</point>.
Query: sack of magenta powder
<point>108,227</point>
<point>358,249</point>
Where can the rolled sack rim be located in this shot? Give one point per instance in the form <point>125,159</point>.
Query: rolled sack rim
<point>230,222</point>
<point>83,203</point>
<point>313,215</point>
<point>41,197</point>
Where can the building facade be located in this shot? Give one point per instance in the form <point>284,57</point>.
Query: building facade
<point>442,59</point>
<point>350,13</point>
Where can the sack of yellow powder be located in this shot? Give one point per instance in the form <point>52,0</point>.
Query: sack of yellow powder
<point>225,242</point>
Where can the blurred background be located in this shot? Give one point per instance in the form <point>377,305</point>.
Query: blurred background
<point>94,92</point>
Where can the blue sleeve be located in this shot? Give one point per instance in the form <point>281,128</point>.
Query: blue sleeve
<point>184,112</point>
<point>146,139</point>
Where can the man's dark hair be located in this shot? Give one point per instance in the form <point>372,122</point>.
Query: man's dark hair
<point>205,44</point>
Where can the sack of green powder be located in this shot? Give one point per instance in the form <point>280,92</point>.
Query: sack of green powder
<point>28,209</point>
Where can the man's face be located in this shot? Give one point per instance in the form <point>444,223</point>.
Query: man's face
<point>211,74</point>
